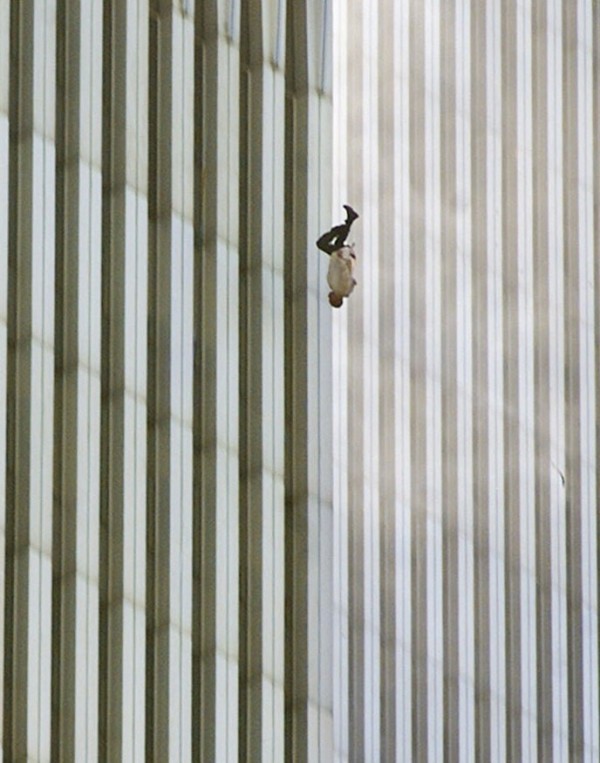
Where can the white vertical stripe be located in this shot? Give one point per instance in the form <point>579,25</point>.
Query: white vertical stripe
<point>557,386</point>
<point>525,381</point>
<point>435,649</point>
<point>227,412</point>
<point>402,375</point>
<point>88,439</point>
<point>495,384</point>
<point>88,387</point>
<point>134,480</point>
<point>339,399</point>
<point>135,372</point>
<point>42,385</point>
<point>589,550</point>
<point>464,371</point>
<point>42,399</point>
<point>181,485</point>
<point>370,293</point>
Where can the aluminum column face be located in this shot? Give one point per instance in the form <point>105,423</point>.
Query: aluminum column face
<point>262,434</point>
<point>466,142</point>
<point>17,692</point>
<point>64,542</point>
<point>160,305</point>
<point>309,510</point>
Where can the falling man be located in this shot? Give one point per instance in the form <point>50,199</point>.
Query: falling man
<point>342,259</point>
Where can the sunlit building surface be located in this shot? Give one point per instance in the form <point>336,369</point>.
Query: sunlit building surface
<point>466,381</point>
<point>165,465</point>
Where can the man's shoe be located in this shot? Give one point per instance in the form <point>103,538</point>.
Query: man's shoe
<point>351,214</point>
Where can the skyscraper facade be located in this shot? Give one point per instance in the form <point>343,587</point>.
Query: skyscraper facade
<point>238,525</point>
<point>466,381</point>
<point>165,459</point>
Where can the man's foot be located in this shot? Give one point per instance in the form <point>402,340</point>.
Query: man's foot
<point>335,300</point>
<point>351,214</point>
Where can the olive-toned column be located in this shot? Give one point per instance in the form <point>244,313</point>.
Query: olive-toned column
<point>18,383</point>
<point>66,339</point>
<point>30,380</point>
<point>308,502</point>
<point>216,366</point>
<point>111,551</point>
<point>124,388</point>
<point>4,143</point>
<point>158,582</point>
<point>262,426</point>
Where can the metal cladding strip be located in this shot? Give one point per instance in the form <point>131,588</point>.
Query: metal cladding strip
<point>588,412</point>
<point>356,424</point>
<point>66,403</point>
<point>110,624</point>
<point>511,402</point>
<point>18,383</point>
<point>387,413</point>
<point>158,495</point>
<point>480,44</point>
<point>4,154</point>
<point>371,357</point>
<point>573,468</point>
<point>453,583</point>
<point>262,426</point>
<point>418,398</point>
<point>557,357</point>
<point>216,387</point>
<point>544,473</point>
<point>308,488</point>
<point>252,485</point>
<point>596,276</point>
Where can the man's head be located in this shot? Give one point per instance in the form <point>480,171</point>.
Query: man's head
<point>335,300</point>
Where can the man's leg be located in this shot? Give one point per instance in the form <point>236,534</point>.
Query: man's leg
<point>336,237</point>
<point>351,215</point>
<point>329,242</point>
<point>345,228</point>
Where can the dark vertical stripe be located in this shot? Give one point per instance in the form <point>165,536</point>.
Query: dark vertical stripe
<point>158,579</point>
<point>449,253</point>
<point>18,381</point>
<point>418,422</point>
<point>251,388</point>
<point>296,681</point>
<point>206,132</point>
<point>387,412</point>
<point>481,375</point>
<point>510,285</point>
<point>355,402</point>
<point>64,521</point>
<point>110,668</point>
<point>544,470</point>
<point>572,381</point>
<point>307,421</point>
